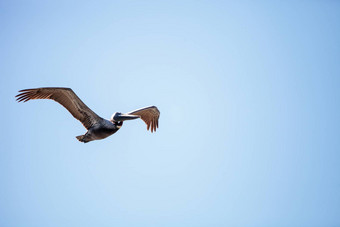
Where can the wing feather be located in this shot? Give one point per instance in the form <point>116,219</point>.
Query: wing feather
<point>67,98</point>
<point>149,115</point>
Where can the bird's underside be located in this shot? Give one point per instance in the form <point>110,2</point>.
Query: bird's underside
<point>97,127</point>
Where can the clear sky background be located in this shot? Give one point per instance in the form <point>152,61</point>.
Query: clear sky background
<point>249,99</point>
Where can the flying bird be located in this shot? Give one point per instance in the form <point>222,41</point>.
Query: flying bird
<point>97,128</point>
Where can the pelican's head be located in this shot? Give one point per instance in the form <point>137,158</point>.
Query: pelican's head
<point>114,116</point>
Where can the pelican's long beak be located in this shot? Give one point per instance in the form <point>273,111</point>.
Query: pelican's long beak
<point>124,117</point>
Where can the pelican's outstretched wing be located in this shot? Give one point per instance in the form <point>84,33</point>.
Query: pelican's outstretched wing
<point>67,98</point>
<point>149,115</point>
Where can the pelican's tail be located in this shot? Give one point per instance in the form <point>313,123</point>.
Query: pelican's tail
<point>82,139</point>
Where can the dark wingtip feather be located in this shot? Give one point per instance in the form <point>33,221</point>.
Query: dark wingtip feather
<point>23,90</point>
<point>18,99</point>
<point>22,97</point>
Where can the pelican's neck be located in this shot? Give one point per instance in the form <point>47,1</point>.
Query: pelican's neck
<point>117,124</point>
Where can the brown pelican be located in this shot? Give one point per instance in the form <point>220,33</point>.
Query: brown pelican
<point>97,127</point>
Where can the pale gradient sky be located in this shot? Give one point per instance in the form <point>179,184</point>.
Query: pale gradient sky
<point>249,99</point>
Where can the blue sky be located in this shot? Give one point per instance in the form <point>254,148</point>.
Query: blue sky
<point>249,100</point>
